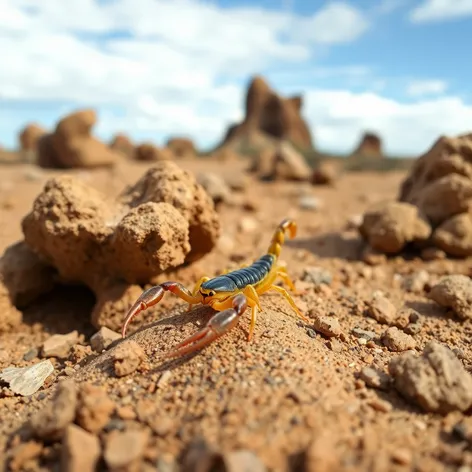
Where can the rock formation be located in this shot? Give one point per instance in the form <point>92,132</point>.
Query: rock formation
<point>269,117</point>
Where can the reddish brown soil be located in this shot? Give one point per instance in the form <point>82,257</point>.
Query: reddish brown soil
<point>290,396</point>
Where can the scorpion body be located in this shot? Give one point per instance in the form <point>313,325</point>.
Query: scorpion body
<point>229,294</point>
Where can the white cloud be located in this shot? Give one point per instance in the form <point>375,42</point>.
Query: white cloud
<point>417,88</point>
<point>438,10</point>
<point>339,22</point>
<point>338,118</point>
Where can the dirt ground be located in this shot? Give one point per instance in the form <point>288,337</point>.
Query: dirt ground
<point>292,396</point>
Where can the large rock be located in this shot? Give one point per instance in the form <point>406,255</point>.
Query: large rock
<point>436,381</point>
<point>370,145</point>
<point>163,221</point>
<point>269,115</point>
<point>29,137</point>
<point>439,186</point>
<point>72,145</point>
<point>121,143</point>
<point>181,147</point>
<point>389,227</point>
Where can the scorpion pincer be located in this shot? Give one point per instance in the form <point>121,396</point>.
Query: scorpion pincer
<point>229,294</point>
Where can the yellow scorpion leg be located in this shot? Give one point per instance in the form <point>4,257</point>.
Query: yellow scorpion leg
<point>282,273</point>
<point>254,303</point>
<point>288,297</point>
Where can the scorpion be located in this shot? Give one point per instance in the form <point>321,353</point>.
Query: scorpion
<point>229,294</point>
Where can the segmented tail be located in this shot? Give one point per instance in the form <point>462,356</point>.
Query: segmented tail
<point>279,236</point>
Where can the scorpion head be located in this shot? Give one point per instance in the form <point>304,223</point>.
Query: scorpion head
<point>217,289</point>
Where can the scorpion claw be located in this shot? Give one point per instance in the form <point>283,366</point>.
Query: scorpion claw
<point>219,324</point>
<point>147,299</point>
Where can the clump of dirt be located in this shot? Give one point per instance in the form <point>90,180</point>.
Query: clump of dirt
<point>72,145</point>
<point>438,192</point>
<point>75,234</point>
<point>437,381</point>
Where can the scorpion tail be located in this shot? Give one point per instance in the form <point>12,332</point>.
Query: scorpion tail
<point>279,236</point>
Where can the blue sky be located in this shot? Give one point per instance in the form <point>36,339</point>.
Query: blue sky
<point>156,68</point>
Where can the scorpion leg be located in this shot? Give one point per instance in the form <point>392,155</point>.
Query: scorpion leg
<point>154,295</point>
<point>288,297</point>
<point>254,303</point>
<point>282,273</point>
<point>219,324</point>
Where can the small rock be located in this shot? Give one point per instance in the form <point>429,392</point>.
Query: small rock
<point>127,358</point>
<point>335,345</point>
<point>94,408</point>
<point>124,450</point>
<point>309,202</point>
<point>317,276</point>
<point>436,381</point>
<point>327,325</point>
<point>27,380</point>
<point>455,292</point>
<point>354,221</point>
<point>415,282</point>
<point>215,186</point>
<point>433,254</point>
<point>52,421</point>
<point>380,405</point>
<point>23,454</point>
<point>103,338</point>
<point>373,257</point>
<point>382,309</point>
<point>362,333</point>
<point>247,225</point>
<point>31,354</point>
<point>58,345</point>
<point>374,378</point>
<point>80,450</point>
<point>413,328</point>
<point>243,461</point>
<point>397,341</point>
<point>402,456</point>
<point>200,456</point>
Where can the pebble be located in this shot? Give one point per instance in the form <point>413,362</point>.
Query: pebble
<point>362,333</point>
<point>327,325</point>
<point>380,405</point>
<point>247,225</point>
<point>51,422</point>
<point>335,345</point>
<point>125,449</point>
<point>381,309</point>
<point>27,380</point>
<point>94,407</point>
<point>127,358</point>
<point>243,461</point>
<point>80,450</point>
<point>309,202</point>
<point>317,275</point>
<point>31,354</point>
<point>397,341</point>
<point>374,378</point>
<point>59,345</point>
<point>103,338</point>
<point>402,456</point>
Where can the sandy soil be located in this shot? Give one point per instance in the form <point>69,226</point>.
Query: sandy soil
<point>292,395</point>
